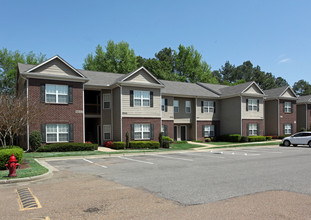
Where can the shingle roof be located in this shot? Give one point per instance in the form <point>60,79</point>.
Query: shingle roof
<point>234,90</point>
<point>101,78</point>
<point>276,92</point>
<point>304,99</point>
<point>188,89</point>
<point>213,87</point>
<point>24,67</point>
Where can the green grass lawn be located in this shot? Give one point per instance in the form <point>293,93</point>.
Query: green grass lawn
<point>220,143</point>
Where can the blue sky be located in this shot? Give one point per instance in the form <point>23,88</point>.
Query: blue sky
<point>276,35</point>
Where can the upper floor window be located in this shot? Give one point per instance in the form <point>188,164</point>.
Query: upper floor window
<point>163,105</point>
<point>56,93</point>
<point>106,100</point>
<point>252,105</point>
<point>208,106</point>
<point>188,107</point>
<point>208,130</point>
<point>176,106</point>
<point>141,98</point>
<point>288,107</point>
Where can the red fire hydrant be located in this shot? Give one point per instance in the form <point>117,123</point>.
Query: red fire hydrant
<point>12,165</point>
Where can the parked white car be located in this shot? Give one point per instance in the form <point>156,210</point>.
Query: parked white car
<point>301,138</point>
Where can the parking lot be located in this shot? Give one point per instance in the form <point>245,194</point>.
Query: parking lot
<point>207,176</point>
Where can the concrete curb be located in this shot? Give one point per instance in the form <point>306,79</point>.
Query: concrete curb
<point>32,178</point>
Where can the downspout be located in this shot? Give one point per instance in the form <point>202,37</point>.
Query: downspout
<point>241,115</point>
<point>27,95</point>
<point>121,121</point>
<point>195,118</point>
<point>279,117</point>
<point>83,121</point>
<point>306,116</point>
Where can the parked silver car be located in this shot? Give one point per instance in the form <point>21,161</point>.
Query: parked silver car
<point>301,138</point>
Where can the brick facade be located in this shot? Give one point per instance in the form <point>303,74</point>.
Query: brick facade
<point>59,113</point>
<point>200,127</point>
<point>170,127</point>
<point>126,125</point>
<point>288,118</point>
<point>245,123</point>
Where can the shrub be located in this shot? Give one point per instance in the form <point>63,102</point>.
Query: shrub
<point>166,138</point>
<point>127,140</point>
<point>144,144</point>
<point>35,140</point>
<point>208,140</point>
<point>5,154</point>
<point>166,144</point>
<point>161,139</point>
<point>283,136</point>
<point>108,144</point>
<point>268,138</point>
<point>244,139</point>
<point>181,142</point>
<point>231,137</point>
<point>214,138</point>
<point>256,138</point>
<point>302,129</point>
<point>118,145</point>
<point>64,147</point>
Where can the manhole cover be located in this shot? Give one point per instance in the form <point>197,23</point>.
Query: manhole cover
<point>27,200</point>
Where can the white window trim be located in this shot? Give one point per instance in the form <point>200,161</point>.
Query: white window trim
<point>288,109</point>
<point>252,103</point>
<point>56,93</point>
<point>251,131</point>
<point>187,107</point>
<point>107,95</point>
<point>108,128</point>
<point>176,101</point>
<point>142,132</point>
<point>289,129</point>
<point>209,130</point>
<point>141,98</point>
<point>57,133</point>
<point>208,106</point>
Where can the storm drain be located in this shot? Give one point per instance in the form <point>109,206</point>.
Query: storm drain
<point>27,200</point>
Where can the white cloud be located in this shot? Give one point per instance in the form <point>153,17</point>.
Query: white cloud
<point>284,60</point>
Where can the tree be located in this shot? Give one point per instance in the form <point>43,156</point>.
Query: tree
<point>302,87</point>
<point>118,58</point>
<point>8,67</point>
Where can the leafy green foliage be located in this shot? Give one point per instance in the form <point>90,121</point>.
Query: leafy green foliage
<point>161,139</point>
<point>8,67</point>
<point>167,138</point>
<point>144,144</point>
<point>6,153</point>
<point>65,147</point>
<point>302,87</point>
<point>230,137</point>
<point>35,140</point>
<point>244,139</point>
<point>256,138</point>
<point>127,140</point>
<point>118,145</point>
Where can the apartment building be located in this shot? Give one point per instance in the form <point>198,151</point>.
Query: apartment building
<point>304,113</point>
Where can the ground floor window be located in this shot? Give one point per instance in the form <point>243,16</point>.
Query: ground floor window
<point>164,130</point>
<point>287,128</point>
<point>208,130</point>
<point>107,132</point>
<point>252,129</point>
<point>141,131</point>
<point>57,132</point>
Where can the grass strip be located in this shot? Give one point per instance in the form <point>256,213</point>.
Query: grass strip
<point>247,145</point>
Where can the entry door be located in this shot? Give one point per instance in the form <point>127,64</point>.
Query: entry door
<point>183,133</point>
<point>175,133</point>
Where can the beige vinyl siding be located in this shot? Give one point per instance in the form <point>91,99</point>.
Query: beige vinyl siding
<point>116,127</point>
<point>271,117</point>
<point>141,77</point>
<point>140,111</point>
<point>56,67</point>
<point>252,90</point>
<point>252,114</point>
<point>230,114</point>
<point>169,115</point>
<point>301,117</point>
<point>182,116</point>
<point>288,94</point>
<point>207,115</point>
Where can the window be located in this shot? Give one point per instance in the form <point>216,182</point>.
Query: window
<point>56,93</point>
<point>142,98</point>
<point>208,106</point>
<point>107,132</point>
<point>252,104</point>
<point>252,129</point>
<point>208,130</point>
<point>176,106</point>
<point>141,131</point>
<point>163,105</point>
<point>287,128</point>
<point>57,133</point>
<point>164,130</point>
<point>287,107</point>
<point>107,100</point>
<point>188,107</point>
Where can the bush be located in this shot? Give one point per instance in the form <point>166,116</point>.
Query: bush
<point>256,138</point>
<point>214,138</point>
<point>64,147</point>
<point>166,138</point>
<point>35,140</point>
<point>302,129</point>
<point>5,154</point>
<point>181,142</point>
<point>161,139</point>
<point>231,137</point>
<point>127,140</point>
<point>208,140</point>
<point>283,136</point>
<point>108,144</point>
<point>144,144</point>
<point>166,144</point>
<point>244,139</point>
<point>118,145</point>
<point>268,138</point>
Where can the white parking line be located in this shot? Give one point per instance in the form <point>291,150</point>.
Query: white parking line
<point>140,161</point>
<point>259,151</point>
<point>94,163</point>
<point>200,155</point>
<point>176,158</point>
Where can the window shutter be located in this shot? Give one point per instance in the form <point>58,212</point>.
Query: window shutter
<point>284,107</point>
<point>257,105</point>
<point>258,129</point>
<point>165,130</point>
<point>246,104</point>
<point>70,95</point>
<point>42,93</point>
<point>166,103</point>
<point>202,106</point>
<point>292,107</point>
<point>151,99</point>
<point>247,129</point>
<point>151,132</point>
<point>131,98</point>
<point>43,133</point>
<point>203,126</point>
<point>71,132</point>
<point>132,131</point>
<point>214,107</point>
<point>291,129</point>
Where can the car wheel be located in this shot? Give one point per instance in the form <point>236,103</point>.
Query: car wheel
<point>287,143</point>
<point>309,143</point>
<point>295,145</point>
